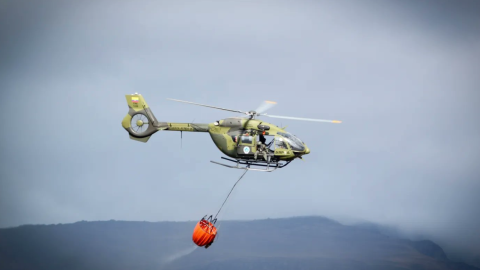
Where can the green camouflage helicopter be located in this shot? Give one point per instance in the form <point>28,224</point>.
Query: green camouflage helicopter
<point>240,138</point>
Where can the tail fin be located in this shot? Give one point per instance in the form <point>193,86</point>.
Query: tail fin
<point>140,122</point>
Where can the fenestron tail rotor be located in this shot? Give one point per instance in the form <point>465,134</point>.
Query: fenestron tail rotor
<point>139,123</point>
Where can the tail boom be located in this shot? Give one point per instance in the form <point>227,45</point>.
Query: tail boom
<point>140,122</point>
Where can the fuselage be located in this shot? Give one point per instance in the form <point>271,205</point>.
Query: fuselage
<point>239,137</point>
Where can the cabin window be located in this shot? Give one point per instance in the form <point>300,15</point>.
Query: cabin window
<point>247,139</point>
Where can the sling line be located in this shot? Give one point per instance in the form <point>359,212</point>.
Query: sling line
<point>230,193</point>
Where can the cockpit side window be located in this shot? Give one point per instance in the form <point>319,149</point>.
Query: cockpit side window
<point>280,144</point>
<point>295,143</point>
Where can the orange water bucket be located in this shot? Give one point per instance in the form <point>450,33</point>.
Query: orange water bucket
<point>204,232</point>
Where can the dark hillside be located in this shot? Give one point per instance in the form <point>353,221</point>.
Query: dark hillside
<point>292,243</point>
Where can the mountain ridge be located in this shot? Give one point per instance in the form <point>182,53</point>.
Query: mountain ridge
<point>285,243</point>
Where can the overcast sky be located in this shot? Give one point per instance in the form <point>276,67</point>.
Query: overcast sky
<point>402,75</point>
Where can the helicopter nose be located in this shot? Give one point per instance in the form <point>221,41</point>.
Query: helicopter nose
<point>307,150</point>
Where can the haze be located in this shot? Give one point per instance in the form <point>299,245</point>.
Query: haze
<point>402,75</point>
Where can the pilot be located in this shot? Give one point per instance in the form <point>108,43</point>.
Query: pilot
<point>261,149</point>
<point>281,144</point>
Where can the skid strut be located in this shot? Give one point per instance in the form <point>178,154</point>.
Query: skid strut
<point>270,166</point>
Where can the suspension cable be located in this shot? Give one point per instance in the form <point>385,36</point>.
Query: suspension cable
<point>230,193</point>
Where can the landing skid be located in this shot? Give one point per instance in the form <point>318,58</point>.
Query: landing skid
<point>270,166</point>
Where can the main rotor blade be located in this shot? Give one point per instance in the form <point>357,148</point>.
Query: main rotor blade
<point>207,106</point>
<point>303,119</point>
<point>266,105</point>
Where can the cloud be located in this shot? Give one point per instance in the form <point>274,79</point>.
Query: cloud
<point>403,78</point>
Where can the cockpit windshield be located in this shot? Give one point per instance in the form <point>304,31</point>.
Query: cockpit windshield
<point>295,143</point>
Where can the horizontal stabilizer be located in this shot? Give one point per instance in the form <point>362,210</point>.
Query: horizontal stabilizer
<point>144,139</point>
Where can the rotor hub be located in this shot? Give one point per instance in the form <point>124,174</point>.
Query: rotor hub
<point>139,123</point>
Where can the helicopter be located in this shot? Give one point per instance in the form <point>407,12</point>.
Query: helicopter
<point>239,138</point>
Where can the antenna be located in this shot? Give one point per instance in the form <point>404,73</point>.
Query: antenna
<point>181,137</point>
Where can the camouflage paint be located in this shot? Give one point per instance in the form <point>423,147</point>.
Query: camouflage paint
<point>222,132</point>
